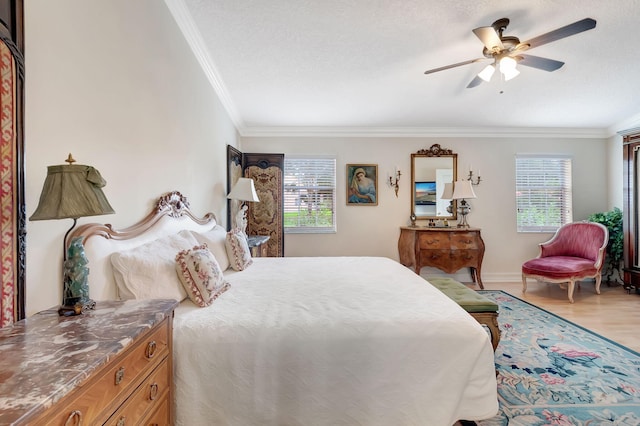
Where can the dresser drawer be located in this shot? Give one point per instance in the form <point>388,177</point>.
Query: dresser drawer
<point>431,257</point>
<point>433,240</point>
<point>162,416</point>
<point>464,257</point>
<point>464,240</point>
<point>147,397</point>
<point>114,384</point>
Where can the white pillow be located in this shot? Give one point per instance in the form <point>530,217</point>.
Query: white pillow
<point>148,271</point>
<point>238,250</point>
<point>200,275</point>
<point>215,240</point>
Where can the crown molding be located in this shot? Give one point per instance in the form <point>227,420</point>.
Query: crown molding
<point>421,132</point>
<point>625,127</point>
<point>183,18</point>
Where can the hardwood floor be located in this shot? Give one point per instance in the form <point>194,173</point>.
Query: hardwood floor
<point>613,314</point>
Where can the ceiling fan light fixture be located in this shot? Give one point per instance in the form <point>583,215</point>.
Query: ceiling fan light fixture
<point>507,63</point>
<point>487,73</point>
<point>508,67</point>
<point>510,73</point>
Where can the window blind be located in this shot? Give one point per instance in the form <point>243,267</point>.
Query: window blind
<point>309,195</point>
<point>543,192</point>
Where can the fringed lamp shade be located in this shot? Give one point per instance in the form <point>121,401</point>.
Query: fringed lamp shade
<point>72,191</point>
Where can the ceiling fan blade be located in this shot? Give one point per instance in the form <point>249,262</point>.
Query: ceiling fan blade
<point>475,82</point>
<point>489,37</point>
<point>471,61</point>
<point>566,31</point>
<point>545,64</point>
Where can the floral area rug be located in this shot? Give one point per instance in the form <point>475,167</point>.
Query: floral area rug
<point>551,371</point>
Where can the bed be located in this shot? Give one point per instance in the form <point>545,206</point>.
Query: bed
<point>302,340</point>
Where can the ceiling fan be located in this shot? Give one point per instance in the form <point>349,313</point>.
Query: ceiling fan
<point>506,51</point>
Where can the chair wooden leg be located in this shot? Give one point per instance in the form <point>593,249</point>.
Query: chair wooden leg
<point>598,281</point>
<point>524,283</point>
<point>572,286</point>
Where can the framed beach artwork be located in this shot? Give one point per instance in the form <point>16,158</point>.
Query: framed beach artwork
<point>362,184</point>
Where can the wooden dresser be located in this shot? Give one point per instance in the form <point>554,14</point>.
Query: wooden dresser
<point>448,249</point>
<point>111,366</point>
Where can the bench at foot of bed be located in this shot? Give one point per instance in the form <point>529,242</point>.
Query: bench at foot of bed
<point>482,309</point>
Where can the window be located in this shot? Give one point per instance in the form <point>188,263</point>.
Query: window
<point>309,195</point>
<point>543,192</point>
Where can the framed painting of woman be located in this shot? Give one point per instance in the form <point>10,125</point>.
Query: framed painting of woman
<point>362,184</point>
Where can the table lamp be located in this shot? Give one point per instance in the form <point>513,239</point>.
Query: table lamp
<point>463,190</point>
<point>243,190</point>
<point>70,192</point>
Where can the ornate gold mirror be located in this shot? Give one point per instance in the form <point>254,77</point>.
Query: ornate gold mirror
<point>431,169</point>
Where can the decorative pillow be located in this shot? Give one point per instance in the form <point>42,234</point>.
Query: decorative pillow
<point>201,275</point>
<point>215,240</point>
<point>238,250</point>
<point>148,271</point>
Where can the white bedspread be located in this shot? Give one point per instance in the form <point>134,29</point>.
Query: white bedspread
<point>331,341</point>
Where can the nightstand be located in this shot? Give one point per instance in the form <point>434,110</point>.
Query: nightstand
<point>257,245</point>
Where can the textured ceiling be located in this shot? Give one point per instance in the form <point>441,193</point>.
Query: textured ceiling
<point>338,66</point>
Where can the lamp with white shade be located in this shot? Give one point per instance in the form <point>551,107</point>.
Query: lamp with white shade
<point>244,190</point>
<point>462,191</point>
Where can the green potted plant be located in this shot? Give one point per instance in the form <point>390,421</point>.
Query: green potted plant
<point>615,250</point>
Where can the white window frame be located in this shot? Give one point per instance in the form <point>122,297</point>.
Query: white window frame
<point>544,199</point>
<point>294,185</point>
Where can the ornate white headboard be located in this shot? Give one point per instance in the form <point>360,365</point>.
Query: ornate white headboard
<point>170,215</point>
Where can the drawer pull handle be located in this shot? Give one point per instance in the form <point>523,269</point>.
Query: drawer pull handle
<point>121,421</point>
<point>119,375</point>
<point>153,394</point>
<point>151,349</point>
<point>74,419</point>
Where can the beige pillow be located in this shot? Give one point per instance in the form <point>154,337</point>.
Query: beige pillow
<point>148,271</point>
<point>238,250</point>
<point>215,240</point>
<point>200,275</point>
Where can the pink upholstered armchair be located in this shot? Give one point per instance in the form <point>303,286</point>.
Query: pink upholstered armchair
<point>575,252</point>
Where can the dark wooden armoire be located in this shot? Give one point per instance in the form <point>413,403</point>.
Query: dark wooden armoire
<point>267,216</point>
<point>631,221</point>
<point>12,206</point>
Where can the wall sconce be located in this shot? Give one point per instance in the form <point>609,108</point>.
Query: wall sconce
<point>394,183</point>
<point>470,177</point>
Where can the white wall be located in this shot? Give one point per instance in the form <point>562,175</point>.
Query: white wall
<point>114,83</point>
<point>368,230</point>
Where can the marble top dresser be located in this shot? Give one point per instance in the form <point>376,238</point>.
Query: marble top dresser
<point>46,358</point>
